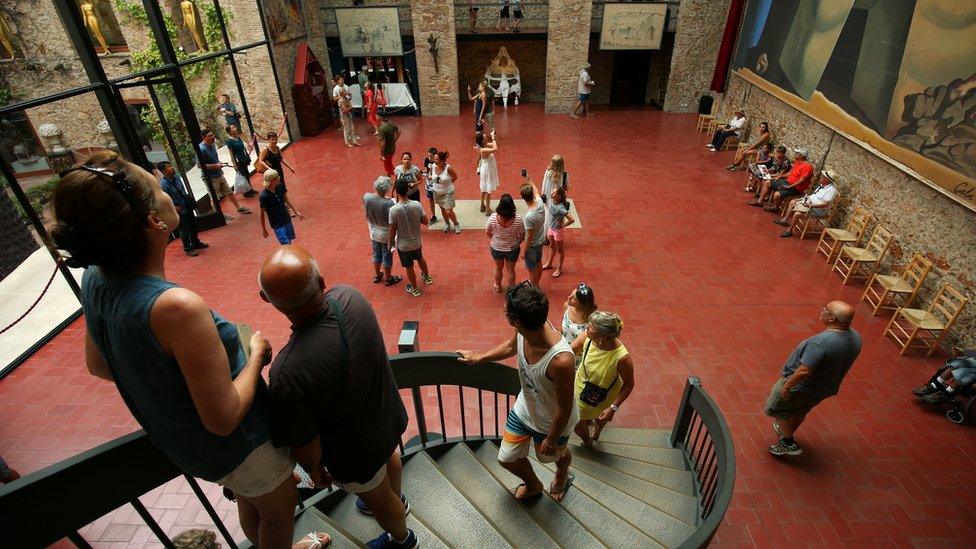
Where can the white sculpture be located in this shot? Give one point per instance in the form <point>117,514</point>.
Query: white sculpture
<point>52,135</point>
<point>503,77</point>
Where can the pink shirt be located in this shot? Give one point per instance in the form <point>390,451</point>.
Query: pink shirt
<point>506,239</point>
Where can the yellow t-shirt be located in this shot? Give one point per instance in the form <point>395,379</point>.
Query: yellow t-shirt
<point>600,368</point>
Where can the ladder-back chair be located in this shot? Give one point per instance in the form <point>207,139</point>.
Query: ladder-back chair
<point>855,263</point>
<point>831,240</point>
<point>893,291</point>
<point>926,328</point>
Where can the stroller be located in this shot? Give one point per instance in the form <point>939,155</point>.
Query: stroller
<point>962,398</point>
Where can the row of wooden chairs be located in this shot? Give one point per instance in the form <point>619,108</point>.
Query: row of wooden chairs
<point>709,124</point>
<point>909,327</point>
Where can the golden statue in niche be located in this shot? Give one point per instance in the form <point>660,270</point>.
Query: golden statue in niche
<point>91,22</point>
<point>6,39</point>
<point>190,17</point>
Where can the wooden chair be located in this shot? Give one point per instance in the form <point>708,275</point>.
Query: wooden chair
<point>813,226</point>
<point>703,121</point>
<point>831,240</point>
<point>730,142</point>
<point>885,291</point>
<point>860,263</point>
<point>928,326</point>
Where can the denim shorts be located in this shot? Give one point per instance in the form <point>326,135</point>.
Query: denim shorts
<point>964,375</point>
<point>285,233</point>
<point>510,257</point>
<point>382,254</point>
<point>584,97</point>
<point>533,256</point>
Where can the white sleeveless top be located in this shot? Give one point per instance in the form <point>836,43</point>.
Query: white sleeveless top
<point>536,403</point>
<point>441,181</point>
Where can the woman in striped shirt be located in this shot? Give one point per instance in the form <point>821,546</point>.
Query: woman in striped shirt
<point>506,232</point>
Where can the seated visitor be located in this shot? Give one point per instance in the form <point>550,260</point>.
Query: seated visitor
<point>787,184</point>
<point>765,158</point>
<point>958,375</point>
<point>604,376</point>
<point>333,398</point>
<point>744,155</point>
<point>734,127</point>
<point>179,366</point>
<point>816,204</point>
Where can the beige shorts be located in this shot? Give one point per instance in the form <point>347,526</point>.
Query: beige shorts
<point>445,200</point>
<point>220,185</point>
<point>261,472</point>
<point>357,488</point>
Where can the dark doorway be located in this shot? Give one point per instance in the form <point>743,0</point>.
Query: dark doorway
<point>629,81</point>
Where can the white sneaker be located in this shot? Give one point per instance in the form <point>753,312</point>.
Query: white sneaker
<point>447,228</point>
<point>457,229</point>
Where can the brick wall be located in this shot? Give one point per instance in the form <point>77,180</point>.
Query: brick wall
<point>568,48</point>
<point>701,24</point>
<point>438,88</point>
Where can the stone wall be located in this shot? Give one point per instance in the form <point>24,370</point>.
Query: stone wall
<point>438,84</point>
<point>568,47</point>
<point>701,24</point>
<point>922,219</point>
<point>529,55</point>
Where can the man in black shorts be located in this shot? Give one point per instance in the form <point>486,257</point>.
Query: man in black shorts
<point>333,397</point>
<point>406,217</point>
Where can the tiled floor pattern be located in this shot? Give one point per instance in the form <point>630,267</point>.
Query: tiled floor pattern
<point>703,282</point>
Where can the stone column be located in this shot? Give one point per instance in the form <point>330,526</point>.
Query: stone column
<point>701,24</point>
<point>566,53</point>
<point>438,88</point>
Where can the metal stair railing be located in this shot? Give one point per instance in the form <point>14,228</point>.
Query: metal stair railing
<point>702,434</point>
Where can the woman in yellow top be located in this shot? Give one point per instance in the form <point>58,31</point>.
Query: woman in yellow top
<point>605,376</point>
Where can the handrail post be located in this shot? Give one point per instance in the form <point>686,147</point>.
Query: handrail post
<point>409,343</point>
<point>683,421</point>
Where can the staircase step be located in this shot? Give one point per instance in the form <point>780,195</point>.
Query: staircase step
<point>465,472</point>
<point>679,481</point>
<point>676,504</point>
<point>665,457</point>
<point>441,506</point>
<point>365,528</point>
<point>547,513</point>
<point>312,520</point>
<point>653,438</point>
<point>612,529</point>
<point>663,528</point>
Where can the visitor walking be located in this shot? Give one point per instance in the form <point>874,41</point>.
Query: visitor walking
<point>275,206</point>
<point>406,217</point>
<point>349,133</point>
<point>370,105</point>
<point>535,231</point>
<point>516,15</point>
<point>271,158</point>
<point>214,169</point>
<point>429,161</point>
<point>479,106</point>
<point>503,17</point>
<point>386,139</point>
<point>580,304</point>
<point>812,373</point>
<point>584,87</point>
<point>173,185</point>
<point>559,219</point>
<point>505,231</point>
<point>545,411</point>
<point>377,206</point>
<point>604,376</point>
<point>179,366</point>
<point>334,401</point>
<point>409,173</point>
<point>363,79</point>
<point>443,177</point>
<point>488,172</point>
<point>240,156</point>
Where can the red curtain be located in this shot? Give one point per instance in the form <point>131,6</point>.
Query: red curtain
<point>721,76</point>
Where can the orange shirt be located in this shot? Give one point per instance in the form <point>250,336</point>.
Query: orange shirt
<point>801,169</point>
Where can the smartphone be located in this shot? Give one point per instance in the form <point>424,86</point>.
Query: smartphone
<point>524,172</point>
<point>565,180</point>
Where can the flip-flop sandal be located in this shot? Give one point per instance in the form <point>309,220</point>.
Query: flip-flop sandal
<point>562,491</point>
<point>393,280</point>
<point>532,497</point>
<point>315,541</point>
<point>547,267</point>
<point>557,273</point>
<point>377,278</point>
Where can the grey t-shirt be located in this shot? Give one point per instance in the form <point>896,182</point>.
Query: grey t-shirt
<point>535,220</point>
<point>378,216</point>
<point>557,212</point>
<point>407,217</point>
<point>830,355</point>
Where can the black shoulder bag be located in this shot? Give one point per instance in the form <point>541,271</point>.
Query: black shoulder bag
<point>592,394</point>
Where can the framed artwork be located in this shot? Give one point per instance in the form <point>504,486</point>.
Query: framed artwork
<point>367,32</point>
<point>285,19</point>
<point>628,26</point>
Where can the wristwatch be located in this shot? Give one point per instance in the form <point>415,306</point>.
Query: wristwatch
<point>614,407</point>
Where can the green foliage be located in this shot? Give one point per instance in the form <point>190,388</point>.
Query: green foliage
<point>203,102</point>
<point>38,196</point>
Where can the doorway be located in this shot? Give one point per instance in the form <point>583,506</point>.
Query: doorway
<point>629,79</point>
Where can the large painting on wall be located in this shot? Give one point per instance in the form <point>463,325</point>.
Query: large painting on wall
<point>632,26</point>
<point>285,19</point>
<point>898,76</point>
<point>366,32</point>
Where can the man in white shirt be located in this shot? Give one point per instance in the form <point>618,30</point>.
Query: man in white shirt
<point>584,86</point>
<point>340,89</point>
<point>816,204</point>
<point>734,127</point>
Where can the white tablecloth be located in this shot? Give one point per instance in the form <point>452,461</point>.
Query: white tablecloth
<point>397,95</point>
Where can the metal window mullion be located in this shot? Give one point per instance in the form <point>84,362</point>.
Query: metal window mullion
<point>274,71</point>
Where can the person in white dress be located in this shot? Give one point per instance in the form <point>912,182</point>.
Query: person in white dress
<point>488,169</point>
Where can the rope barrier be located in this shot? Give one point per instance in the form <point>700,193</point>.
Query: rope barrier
<point>36,301</point>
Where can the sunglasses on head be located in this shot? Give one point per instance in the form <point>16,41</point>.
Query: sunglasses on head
<point>510,294</point>
<point>583,290</point>
<point>119,181</point>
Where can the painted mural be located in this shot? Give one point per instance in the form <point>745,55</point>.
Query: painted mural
<point>898,76</point>
<point>285,19</point>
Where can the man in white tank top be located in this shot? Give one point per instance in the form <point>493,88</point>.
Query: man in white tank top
<point>545,411</point>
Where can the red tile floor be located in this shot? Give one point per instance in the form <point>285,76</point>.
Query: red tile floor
<point>703,282</point>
